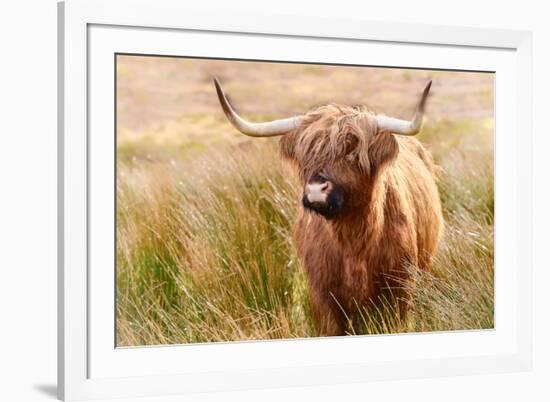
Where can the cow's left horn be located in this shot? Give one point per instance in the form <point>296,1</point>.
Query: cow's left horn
<point>405,127</point>
<point>266,129</point>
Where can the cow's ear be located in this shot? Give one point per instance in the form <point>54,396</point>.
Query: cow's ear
<point>383,149</point>
<point>287,146</point>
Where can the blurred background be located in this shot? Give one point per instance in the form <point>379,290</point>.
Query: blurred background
<point>204,214</point>
<point>169,102</point>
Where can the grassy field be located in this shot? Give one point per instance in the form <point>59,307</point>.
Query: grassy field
<point>204,214</point>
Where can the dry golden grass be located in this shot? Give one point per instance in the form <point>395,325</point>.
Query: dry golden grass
<point>204,215</point>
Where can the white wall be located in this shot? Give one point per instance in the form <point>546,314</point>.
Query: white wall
<point>28,198</point>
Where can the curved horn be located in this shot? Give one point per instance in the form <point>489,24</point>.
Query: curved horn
<point>266,129</point>
<point>405,127</point>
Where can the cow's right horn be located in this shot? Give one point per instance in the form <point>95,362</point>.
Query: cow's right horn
<point>406,127</point>
<point>265,129</point>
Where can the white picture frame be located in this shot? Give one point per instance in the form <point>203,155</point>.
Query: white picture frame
<point>90,367</point>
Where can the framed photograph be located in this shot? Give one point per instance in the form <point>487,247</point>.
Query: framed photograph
<point>253,201</point>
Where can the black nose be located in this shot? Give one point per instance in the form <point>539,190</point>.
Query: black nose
<point>316,192</point>
<point>322,196</point>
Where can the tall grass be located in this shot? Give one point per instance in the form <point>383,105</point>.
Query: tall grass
<point>204,250</point>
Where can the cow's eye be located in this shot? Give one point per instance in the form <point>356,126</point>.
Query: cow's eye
<point>318,178</point>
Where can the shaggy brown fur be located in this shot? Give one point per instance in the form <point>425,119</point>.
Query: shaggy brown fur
<point>392,216</point>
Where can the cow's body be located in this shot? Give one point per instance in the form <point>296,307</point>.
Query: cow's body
<point>349,261</point>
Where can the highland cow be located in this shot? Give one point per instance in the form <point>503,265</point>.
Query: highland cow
<point>370,207</point>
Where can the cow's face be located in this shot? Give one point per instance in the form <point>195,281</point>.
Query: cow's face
<point>337,150</point>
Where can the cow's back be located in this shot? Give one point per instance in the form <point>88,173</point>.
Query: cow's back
<point>413,176</point>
